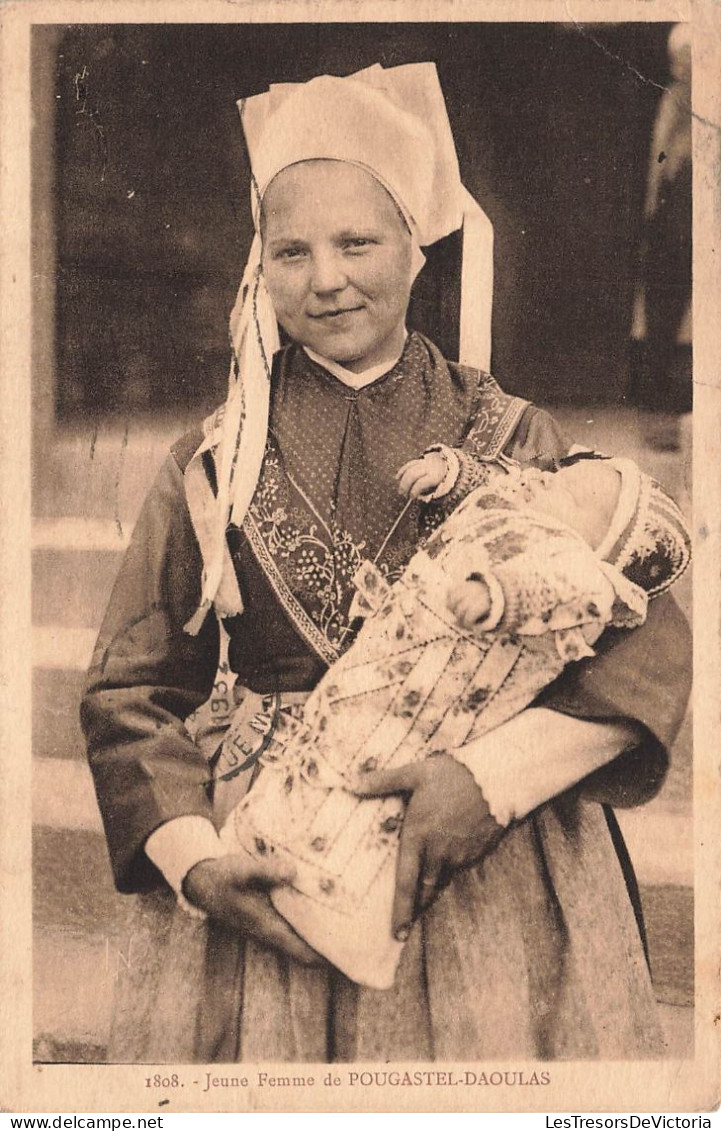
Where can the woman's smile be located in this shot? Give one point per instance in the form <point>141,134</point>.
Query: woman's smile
<point>337,260</point>
<point>336,316</point>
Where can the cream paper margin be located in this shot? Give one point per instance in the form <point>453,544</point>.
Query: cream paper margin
<point>664,1086</point>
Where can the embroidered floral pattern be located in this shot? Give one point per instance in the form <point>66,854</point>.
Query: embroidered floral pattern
<point>494,418</point>
<point>311,562</point>
<point>314,560</point>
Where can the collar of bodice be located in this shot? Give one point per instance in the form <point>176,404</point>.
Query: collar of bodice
<point>347,376</point>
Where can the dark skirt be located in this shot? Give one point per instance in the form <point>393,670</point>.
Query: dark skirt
<point>533,953</point>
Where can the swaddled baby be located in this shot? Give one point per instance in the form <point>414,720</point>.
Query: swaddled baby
<point>520,579</point>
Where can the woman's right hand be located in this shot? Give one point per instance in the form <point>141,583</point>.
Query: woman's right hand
<point>234,892</point>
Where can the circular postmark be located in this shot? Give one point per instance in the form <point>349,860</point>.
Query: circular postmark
<point>240,754</point>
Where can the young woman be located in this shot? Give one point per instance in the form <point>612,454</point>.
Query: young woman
<point>259,522</point>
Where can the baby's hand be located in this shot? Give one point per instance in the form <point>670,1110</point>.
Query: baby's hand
<point>422,476</point>
<point>470,602</point>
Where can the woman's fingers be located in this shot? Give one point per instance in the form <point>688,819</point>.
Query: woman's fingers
<point>410,852</point>
<point>260,874</point>
<point>212,883</point>
<point>402,779</point>
<point>380,783</point>
<point>430,881</point>
<point>230,890</point>
<point>253,913</point>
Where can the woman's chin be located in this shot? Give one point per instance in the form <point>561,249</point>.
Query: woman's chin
<point>344,340</point>
<point>356,356</point>
<point>342,348</point>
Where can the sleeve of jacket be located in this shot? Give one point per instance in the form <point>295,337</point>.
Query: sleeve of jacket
<point>146,677</point>
<point>642,675</point>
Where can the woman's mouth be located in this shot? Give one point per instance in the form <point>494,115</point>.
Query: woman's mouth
<point>331,315</point>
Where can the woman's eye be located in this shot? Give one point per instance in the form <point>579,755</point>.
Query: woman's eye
<point>359,243</point>
<point>290,253</point>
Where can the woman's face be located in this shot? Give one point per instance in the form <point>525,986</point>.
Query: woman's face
<point>337,262</point>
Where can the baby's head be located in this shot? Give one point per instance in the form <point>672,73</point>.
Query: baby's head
<point>623,514</point>
<point>584,495</point>
<point>648,540</point>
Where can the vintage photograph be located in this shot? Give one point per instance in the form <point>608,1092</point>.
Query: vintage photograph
<point>362,548</point>
<point>390,649</point>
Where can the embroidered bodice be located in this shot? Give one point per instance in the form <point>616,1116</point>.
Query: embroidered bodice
<point>327,496</point>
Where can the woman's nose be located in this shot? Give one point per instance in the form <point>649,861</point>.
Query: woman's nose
<point>328,273</point>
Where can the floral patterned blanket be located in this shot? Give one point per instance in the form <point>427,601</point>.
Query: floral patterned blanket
<point>413,684</point>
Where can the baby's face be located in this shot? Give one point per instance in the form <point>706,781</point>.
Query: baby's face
<point>584,496</point>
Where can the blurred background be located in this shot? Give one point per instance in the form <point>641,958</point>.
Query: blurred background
<point>575,139</point>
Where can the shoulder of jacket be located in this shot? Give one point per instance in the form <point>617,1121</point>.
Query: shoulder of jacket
<point>471,378</point>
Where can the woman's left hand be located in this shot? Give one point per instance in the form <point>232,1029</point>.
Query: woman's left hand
<point>447,825</point>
